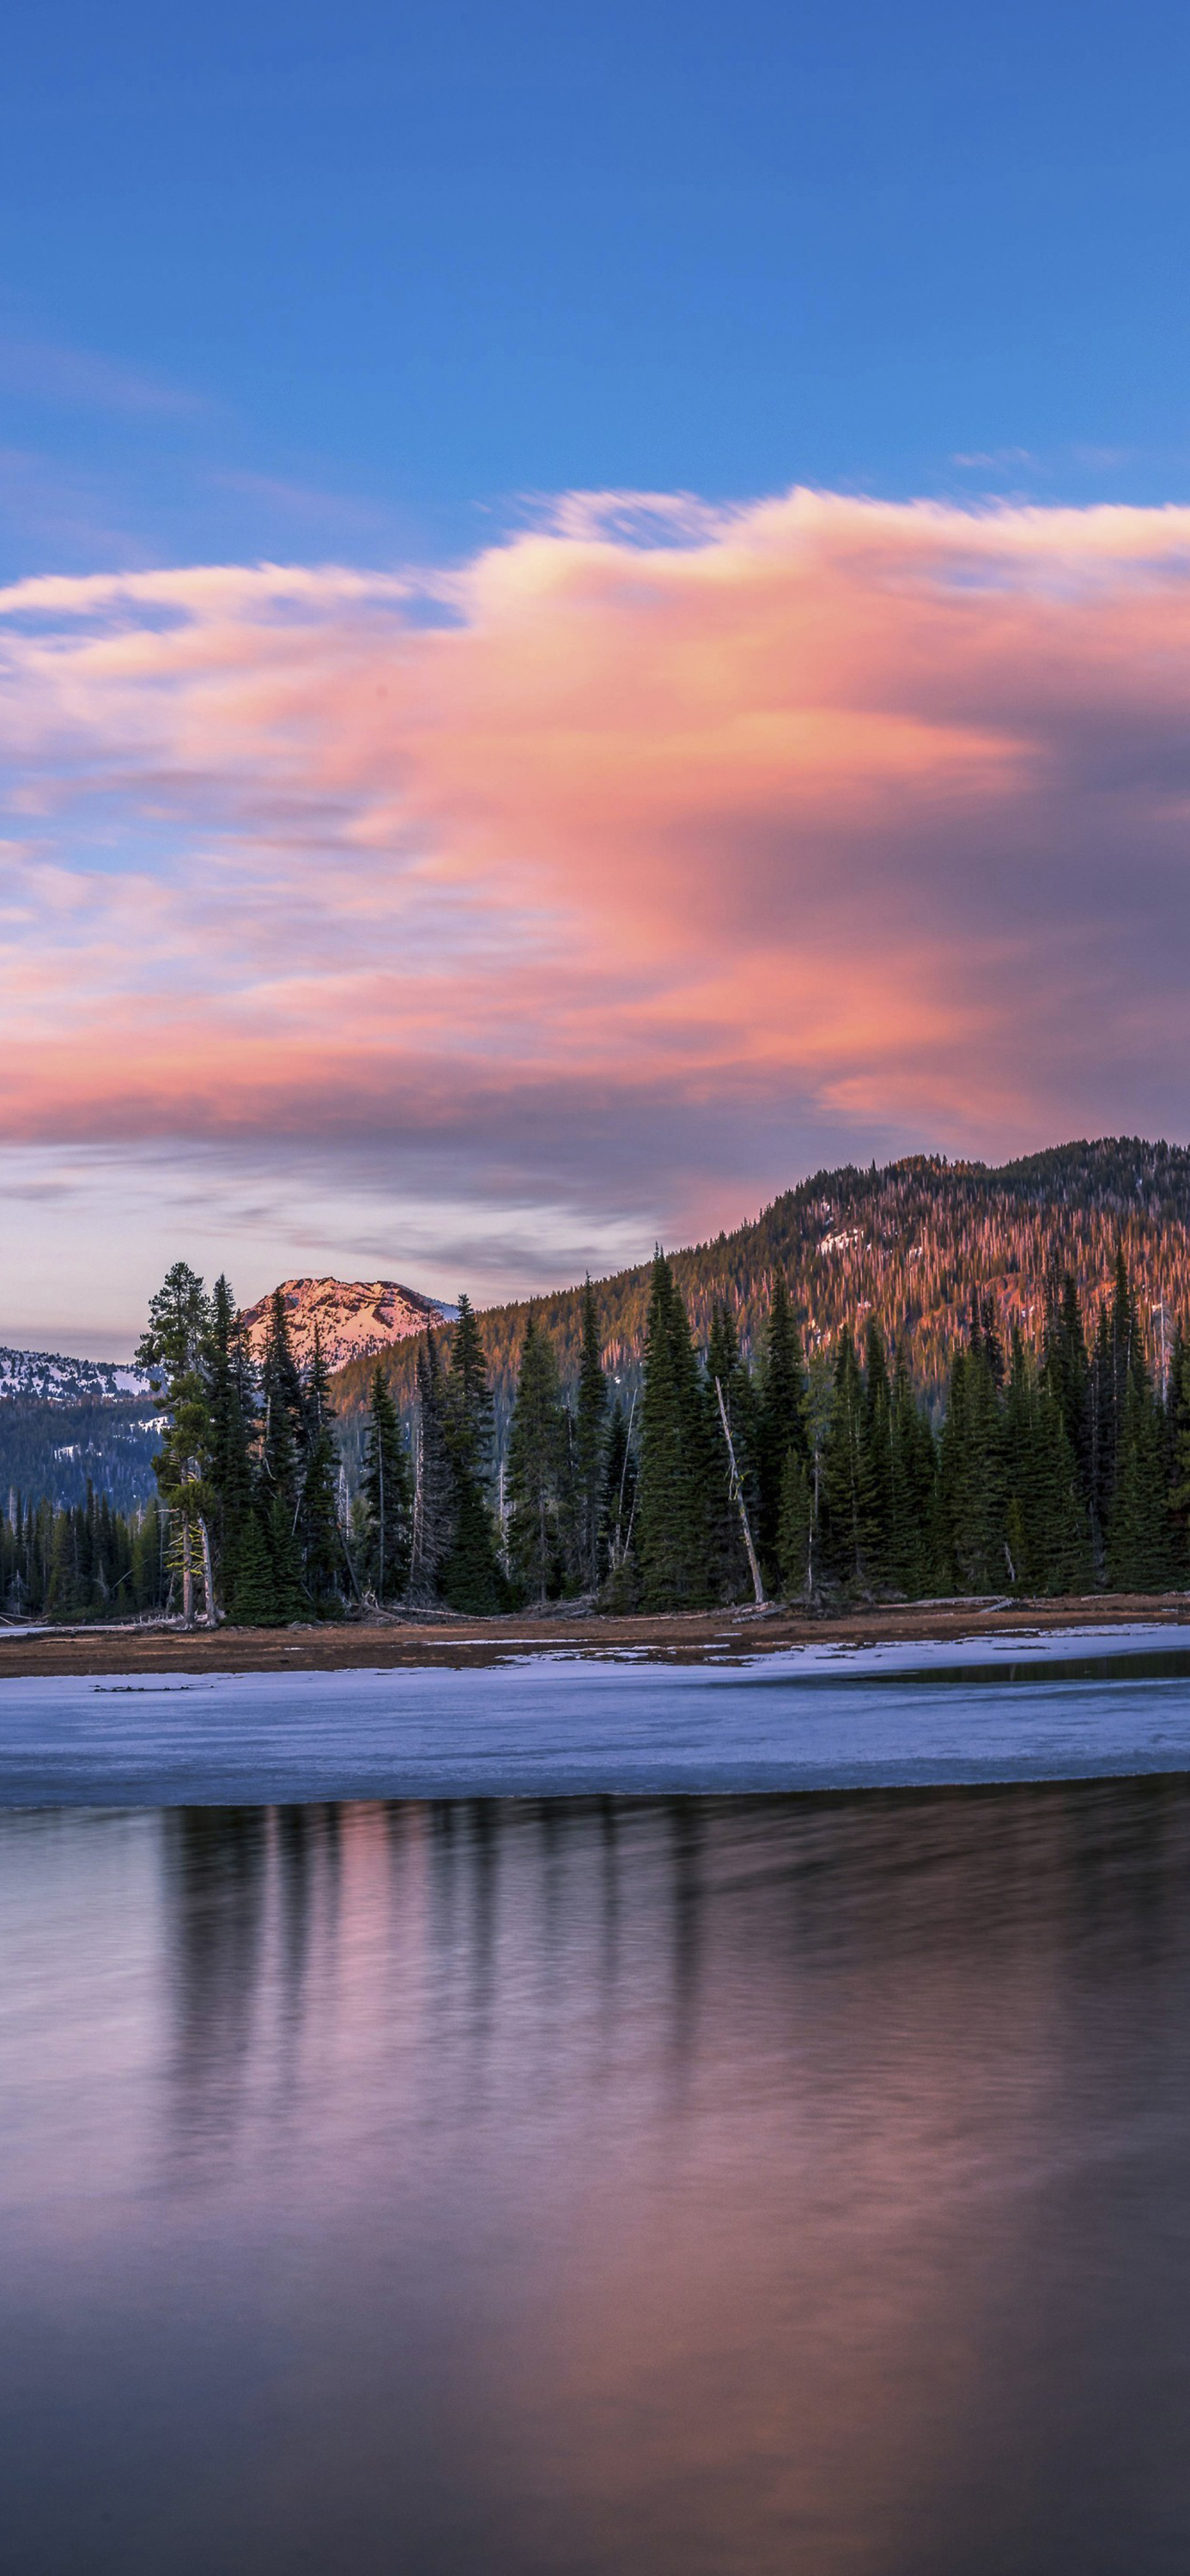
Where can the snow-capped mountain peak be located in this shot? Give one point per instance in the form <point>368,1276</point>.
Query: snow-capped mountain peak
<point>354,1317</point>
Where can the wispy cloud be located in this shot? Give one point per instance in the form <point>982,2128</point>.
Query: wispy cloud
<point>996,460</point>
<point>50,372</point>
<point>694,833</point>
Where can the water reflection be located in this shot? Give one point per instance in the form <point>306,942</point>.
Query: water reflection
<point>679,2185</point>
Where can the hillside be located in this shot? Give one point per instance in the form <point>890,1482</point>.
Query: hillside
<point>52,1377</point>
<point>55,1447</point>
<point>907,1242</point>
<point>64,1420</point>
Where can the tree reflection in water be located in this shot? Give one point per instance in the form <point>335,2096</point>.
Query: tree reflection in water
<point>667,2185</point>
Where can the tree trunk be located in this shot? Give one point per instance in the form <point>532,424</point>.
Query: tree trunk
<point>187,1578</point>
<point>207,1576</point>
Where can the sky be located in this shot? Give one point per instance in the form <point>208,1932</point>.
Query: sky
<point>594,616</point>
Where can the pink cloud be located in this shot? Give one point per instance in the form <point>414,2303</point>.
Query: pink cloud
<point>874,810</point>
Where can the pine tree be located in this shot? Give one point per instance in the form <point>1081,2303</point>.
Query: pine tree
<point>876,1463</point>
<point>673,1499</point>
<point>1139,1533</point>
<point>175,1343</point>
<point>468,1397</point>
<point>1118,1351</point>
<point>590,1448</point>
<point>780,1424</point>
<point>1178,1453</point>
<point>729,1567</point>
<point>64,1591</point>
<point>254,1602</point>
<point>620,1486</point>
<point>387,1490</point>
<point>913,1478</point>
<point>844,1475</point>
<point>537,1467</point>
<point>434,1493</point>
<point>1066,1369</point>
<point>795,1528</point>
<point>232,1427</point>
<point>320,1538</point>
<point>971,1475</point>
<point>472,1577</point>
<point>281,1462</point>
<point>1046,1527</point>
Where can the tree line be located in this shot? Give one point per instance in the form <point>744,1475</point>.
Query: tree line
<point>86,1561</point>
<point>798,1474</point>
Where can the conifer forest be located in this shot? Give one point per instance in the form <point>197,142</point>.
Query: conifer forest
<point>796,1472</point>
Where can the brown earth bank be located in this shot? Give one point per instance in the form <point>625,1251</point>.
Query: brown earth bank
<point>383,1642</point>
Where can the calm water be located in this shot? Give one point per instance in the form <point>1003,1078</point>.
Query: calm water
<point>650,2187</point>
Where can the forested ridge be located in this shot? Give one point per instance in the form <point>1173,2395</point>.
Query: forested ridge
<point>907,1243</point>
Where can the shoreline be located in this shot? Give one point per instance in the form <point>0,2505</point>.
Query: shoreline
<point>454,1642</point>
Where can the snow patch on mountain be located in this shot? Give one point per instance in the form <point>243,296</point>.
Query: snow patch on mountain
<point>53,1378</point>
<point>355,1317</point>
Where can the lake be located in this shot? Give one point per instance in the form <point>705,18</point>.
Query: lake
<point>605,2184</point>
<point>1064,1706</point>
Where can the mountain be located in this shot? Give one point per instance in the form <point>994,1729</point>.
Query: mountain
<point>908,1243</point>
<point>355,1317</point>
<point>54,1379</point>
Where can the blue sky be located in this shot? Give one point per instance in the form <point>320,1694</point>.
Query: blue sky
<point>525,877</point>
<point>308,283</point>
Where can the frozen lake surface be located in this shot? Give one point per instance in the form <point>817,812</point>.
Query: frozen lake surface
<point>1089,1704</point>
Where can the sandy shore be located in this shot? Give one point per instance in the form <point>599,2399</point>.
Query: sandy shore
<point>378,1643</point>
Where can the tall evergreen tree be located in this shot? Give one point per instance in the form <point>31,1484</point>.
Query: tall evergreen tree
<point>971,1475</point>
<point>795,1529</point>
<point>322,1545</point>
<point>590,1449</point>
<point>1178,1454</point>
<point>174,1348</point>
<point>877,1459</point>
<point>472,1577</point>
<point>1139,1533</point>
<point>1066,1368</point>
<point>1046,1527</point>
<point>673,1498</point>
<point>912,1491</point>
<point>232,1427</point>
<point>537,1468</point>
<point>434,1493</point>
<point>387,1488</point>
<point>844,1471</point>
<point>780,1425</point>
<point>729,1567</point>
<point>621,1500</point>
<point>281,1463</point>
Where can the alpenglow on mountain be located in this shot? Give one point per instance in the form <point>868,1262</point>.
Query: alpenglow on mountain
<point>355,1317</point>
<point>909,1243</point>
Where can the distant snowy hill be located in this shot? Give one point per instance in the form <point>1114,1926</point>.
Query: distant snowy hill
<point>54,1379</point>
<point>355,1317</point>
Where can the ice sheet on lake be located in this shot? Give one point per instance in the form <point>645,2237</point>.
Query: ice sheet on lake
<point>1074,1706</point>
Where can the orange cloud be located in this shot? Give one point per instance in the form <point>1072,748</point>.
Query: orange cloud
<point>837,811</point>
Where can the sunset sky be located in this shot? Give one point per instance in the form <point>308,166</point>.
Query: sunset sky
<point>594,613</point>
